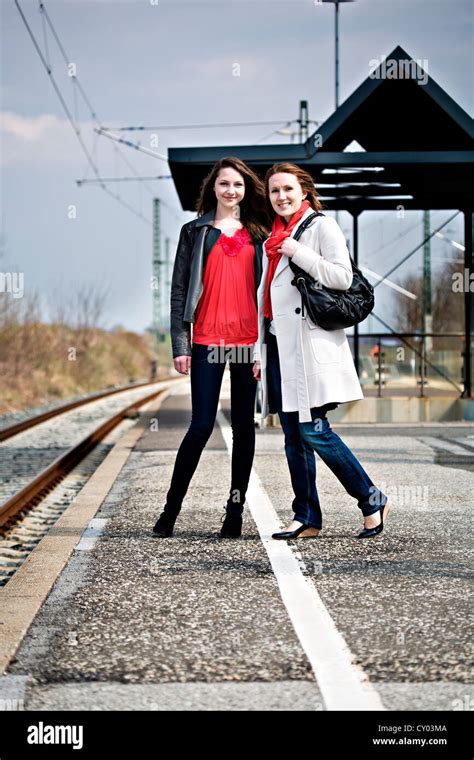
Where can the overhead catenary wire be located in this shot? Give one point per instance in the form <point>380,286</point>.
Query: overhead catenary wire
<point>92,110</point>
<point>100,130</point>
<point>45,59</point>
<point>77,132</point>
<point>45,36</point>
<point>394,240</point>
<point>385,215</point>
<point>67,60</point>
<point>200,126</point>
<point>124,179</point>
<point>405,258</point>
<point>274,132</point>
<point>57,90</point>
<point>219,125</point>
<point>130,144</point>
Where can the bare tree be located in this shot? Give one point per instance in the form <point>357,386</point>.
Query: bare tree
<point>447,304</point>
<point>89,306</point>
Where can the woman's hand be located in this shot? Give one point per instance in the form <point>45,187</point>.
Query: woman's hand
<point>256,369</point>
<point>182,364</point>
<point>289,247</point>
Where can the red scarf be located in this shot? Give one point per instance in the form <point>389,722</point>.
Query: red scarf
<point>280,231</point>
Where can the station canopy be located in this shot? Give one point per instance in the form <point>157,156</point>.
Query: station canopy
<point>398,140</point>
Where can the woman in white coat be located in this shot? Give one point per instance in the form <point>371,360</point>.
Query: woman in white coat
<point>305,370</point>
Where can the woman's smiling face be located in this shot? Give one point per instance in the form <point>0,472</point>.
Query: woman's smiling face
<point>286,194</point>
<point>229,187</point>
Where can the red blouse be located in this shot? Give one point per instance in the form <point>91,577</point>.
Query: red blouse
<point>227,312</point>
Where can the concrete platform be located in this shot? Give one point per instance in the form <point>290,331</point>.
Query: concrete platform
<point>133,622</point>
<point>401,409</point>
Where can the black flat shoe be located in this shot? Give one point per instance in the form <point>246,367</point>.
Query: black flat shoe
<point>232,526</point>
<point>304,531</point>
<point>164,526</point>
<point>371,532</point>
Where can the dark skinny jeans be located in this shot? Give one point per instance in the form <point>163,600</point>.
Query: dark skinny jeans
<point>302,439</point>
<point>207,370</point>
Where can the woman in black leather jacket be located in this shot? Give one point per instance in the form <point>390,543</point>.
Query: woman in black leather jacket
<point>215,278</point>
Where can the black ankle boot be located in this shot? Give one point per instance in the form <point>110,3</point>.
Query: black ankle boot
<point>232,525</point>
<point>164,525</point>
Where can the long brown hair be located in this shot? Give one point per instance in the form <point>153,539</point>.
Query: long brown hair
<point>253,209</point>
<point>304,178</point>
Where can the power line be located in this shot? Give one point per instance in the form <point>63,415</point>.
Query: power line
<point>57,90</point>
<point>67,60</point>
<point>377,221</point>
<point>170,210</point>
<point>198,126</point>
<point>129,144</point>
<point>92,110</point>
<point>45,37</point>
<point>123,179</point>
<point>394,240</point>
<point>47,65</point>
<point>274,131</point>
<point>417,247</point>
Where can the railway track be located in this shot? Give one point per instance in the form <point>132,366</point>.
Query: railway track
<point>47,462</point>
<point>29,422</point>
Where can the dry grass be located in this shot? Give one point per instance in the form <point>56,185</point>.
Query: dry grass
<point>41,363</point>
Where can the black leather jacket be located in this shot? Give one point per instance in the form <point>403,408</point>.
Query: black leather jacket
<point>195,242</point>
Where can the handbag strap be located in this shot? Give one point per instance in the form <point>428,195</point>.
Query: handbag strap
<point>304,226</point>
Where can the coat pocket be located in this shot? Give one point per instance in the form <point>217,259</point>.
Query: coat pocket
<point>327,345</point>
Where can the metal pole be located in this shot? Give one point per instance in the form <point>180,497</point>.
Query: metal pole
<point>156,290</point>
<point>468,301</point>
<point>422,366</point>
<point>336,30</point>
<point>167,282</point>
<point>336,8</point>
<point>379,365</point>
<point>355,250</point>
<point>427,324</point>
<point>303,120</point>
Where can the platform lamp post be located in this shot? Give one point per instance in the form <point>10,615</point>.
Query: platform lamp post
<point>355,219</point>
<point>336,31</point>
<point>336,50</point>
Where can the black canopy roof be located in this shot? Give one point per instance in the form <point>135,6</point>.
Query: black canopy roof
<point>418,147</point>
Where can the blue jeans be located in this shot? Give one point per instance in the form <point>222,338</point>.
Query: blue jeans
<point>302,439</point>
<point>207,370</point>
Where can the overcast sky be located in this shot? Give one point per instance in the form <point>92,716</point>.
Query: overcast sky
<point>142,62</point>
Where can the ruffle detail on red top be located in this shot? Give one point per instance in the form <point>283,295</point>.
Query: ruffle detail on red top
<point>232,245</point>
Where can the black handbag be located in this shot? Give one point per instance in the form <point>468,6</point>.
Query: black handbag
<point>328,308</point>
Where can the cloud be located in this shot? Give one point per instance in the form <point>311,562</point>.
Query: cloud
<point>41,140</point>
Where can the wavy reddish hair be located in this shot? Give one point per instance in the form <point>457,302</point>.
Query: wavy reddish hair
<point>304,178</point>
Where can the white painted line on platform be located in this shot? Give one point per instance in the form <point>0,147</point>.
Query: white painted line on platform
<point>91,534</point>
<point>441,444</point>
<point>12,692</point>
<point>343,685</point>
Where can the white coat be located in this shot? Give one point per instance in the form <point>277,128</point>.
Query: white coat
<point>316,365</point>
